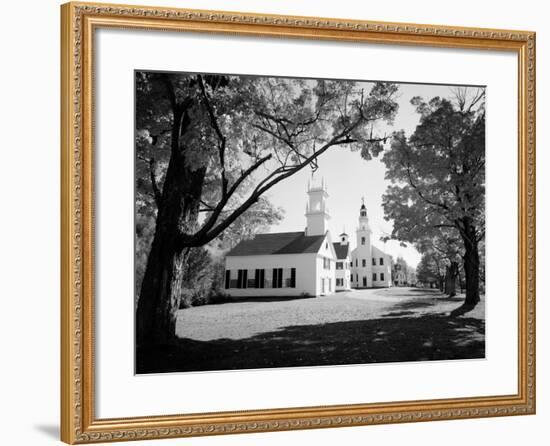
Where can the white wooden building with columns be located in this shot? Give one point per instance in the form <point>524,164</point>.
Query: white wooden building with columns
<point>304,263</point>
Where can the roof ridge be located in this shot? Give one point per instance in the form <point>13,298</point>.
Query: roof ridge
<point>278,243</point>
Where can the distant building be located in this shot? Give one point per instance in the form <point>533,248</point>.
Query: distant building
<point>371,267</point>
<point>403,274</point>
<point>343,263</point>
<point>307,262</point>
<point>399,275</point>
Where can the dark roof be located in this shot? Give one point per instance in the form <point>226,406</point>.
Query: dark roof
<point>343,233</point>
<point>279,243</point>
<point>341,250</point>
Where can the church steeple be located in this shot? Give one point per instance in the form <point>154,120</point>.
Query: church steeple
<point>363,230</point>
<point>363,252</point>
<point>316,209</point>
<point>363,218</point>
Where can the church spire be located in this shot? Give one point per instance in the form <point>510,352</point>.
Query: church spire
<point>363,218</point>
<point>363,209</point>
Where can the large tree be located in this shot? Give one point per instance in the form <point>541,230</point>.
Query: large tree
<point>229,140</point>
<point>438,178</point>
<point>430,269</point>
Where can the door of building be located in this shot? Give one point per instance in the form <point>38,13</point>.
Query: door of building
<point>364,281</point>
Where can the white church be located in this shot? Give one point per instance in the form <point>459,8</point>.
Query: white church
<point>307,263</point>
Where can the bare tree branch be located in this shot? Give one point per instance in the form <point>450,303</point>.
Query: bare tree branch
<point>221,137</point>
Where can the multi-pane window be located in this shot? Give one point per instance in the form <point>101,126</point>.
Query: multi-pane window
<point>381,260</point>
<point>374,277</point>
<point>382,276</point>
<point>277,277</point>
<point>339,265</point>
<point>364,263</point>
<point>258,278</point>
<point>326,263</point>
<point>363,240</point>
<point>289,278</point>
<point>339,282</point>
<point>373,261</point>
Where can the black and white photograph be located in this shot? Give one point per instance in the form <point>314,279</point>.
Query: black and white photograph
<point>295,222</point>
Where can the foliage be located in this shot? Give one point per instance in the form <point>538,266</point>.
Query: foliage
<point>438,174</point>
<point>437,194</point>
<point>430,269</point>
<point>250,133</point>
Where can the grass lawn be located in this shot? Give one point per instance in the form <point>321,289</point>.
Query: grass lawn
<point>361,326</point>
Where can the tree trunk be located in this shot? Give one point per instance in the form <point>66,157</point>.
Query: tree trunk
<point>451,274</point>
<point>471,267</point>
<point>161,288</point>
<point>177,214</point>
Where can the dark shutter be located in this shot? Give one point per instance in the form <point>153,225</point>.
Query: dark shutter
<point>245,278</point>
<point>274,278</point>
<point>280,278</point>
<point>257,279</point>
<point>240,279</point>
<point>262,278</point>
<point>293,277</point>
<point>227,278</point>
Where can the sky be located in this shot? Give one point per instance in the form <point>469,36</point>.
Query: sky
<point>349,178</point>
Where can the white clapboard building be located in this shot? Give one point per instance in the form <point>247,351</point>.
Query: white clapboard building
<point>370,266</point>
<point>343,263</point>
<point>304,263</point>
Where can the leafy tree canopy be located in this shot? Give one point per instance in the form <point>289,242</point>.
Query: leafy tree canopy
<point>438,173</point>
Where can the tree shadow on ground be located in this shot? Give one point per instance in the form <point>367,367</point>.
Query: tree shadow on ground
<point>395,339</point>
<point>420,303</point>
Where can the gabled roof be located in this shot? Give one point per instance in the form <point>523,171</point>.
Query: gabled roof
<point>278,243</point>
<point>341,250</point>
<point>378,252</point>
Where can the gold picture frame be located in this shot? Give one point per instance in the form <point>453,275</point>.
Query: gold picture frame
<point>78,422</point>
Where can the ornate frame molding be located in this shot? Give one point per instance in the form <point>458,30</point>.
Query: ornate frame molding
<point>78,424</point>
